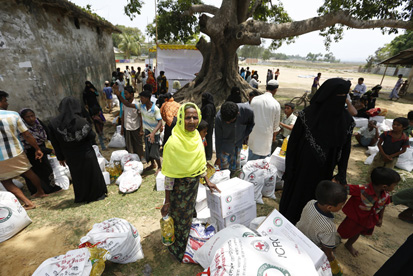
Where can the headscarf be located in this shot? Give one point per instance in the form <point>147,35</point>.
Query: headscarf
<point>151,80</point>
<point>69,123</point>
<point>184,153</point>
<point>326,120</point>
<point>208,101</point>
<point>37,130</point>
<point>89,85</point>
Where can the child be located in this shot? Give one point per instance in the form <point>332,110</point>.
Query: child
<point>317,220</point>
<point>98,122</point>
<point>365,208</point>
<point>391,144</point>
<point>409,130</point>
<point>203,131</point>
<point>368,136</point>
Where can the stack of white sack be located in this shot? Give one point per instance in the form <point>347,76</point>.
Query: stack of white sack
<point>117,155</point>
<point>263,175</point>
<point>117,236</point>
<point>61,173</point>
<point>404,162</point>
<point>130,180</point>
<point>236,250</point>
<point>128,157</point>
<point>234,205</point>
<point>13,217</point>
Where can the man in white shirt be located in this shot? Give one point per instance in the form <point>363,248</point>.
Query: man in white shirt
<point>254,82</point>
<point>267,113</point>
<point>132,126</point>
<point>360,88</point>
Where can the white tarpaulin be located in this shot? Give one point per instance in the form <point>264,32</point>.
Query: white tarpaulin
<point>179,64</point>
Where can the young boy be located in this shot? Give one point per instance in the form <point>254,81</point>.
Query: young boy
<point>317,219</point>
<point>152,123</point>
<point>409,130</point>
<point>107,90</point>
<point>365,208</point>
<point>391,144</point>
<point>203,131</point>
<point>132,125</point>
<point>368,136</point>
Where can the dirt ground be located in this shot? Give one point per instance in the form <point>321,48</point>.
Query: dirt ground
<point>21,255</point>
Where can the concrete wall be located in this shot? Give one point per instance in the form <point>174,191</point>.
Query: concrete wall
<point>45,57</point>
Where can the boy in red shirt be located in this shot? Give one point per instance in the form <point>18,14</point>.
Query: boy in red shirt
<point>365,208</point>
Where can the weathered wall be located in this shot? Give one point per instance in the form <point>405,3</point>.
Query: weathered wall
<point>45,57</point>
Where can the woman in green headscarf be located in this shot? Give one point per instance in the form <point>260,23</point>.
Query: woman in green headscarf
<point>184,163</point>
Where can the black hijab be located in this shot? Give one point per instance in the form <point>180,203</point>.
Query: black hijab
<point>208,103</point>
<point>69,123</point>
<point>326,120</point>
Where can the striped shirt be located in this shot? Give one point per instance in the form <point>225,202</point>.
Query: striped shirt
<point>11,125</point>
<point>150,117</point>
<point>317,226</point>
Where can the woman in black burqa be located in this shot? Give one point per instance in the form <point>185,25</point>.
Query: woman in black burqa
<point>319,141</point>
<point>72,137</point>
<point>208,111</point>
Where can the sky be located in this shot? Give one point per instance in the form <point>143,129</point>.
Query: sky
<point>356,45</point>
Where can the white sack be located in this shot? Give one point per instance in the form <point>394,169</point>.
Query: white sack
<point>372,150</point>
<point>361,122</point>
<point>369,159</point>
<point>129,157</point>
<point>133,166</point>
<point>243,156</point>
<point>206,253</point>
<point>271,255</point>
<point>130,182</point>
<point>119,237</point>
<point>117,141</point>
<point>117,155</point>
<point>74,262</point>
<point>220,176</point>
<point>13,217</point>
<point>405,161</point>
<point>262,174</point>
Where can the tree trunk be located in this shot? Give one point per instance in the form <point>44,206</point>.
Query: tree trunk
<point>219,73</point>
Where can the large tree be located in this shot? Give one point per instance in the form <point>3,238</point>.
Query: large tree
<point>247,22</point>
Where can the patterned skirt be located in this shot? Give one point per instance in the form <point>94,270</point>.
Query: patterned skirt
<point>182,210</point>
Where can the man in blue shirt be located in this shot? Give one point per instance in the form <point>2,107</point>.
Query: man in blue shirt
<point>108,94</point>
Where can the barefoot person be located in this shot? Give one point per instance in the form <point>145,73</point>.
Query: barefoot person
<point>184,164</point>
<point>13,160</point>
<point>365,208</point>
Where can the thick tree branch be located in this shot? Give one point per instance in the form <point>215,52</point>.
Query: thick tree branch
<point>248,38</point>
<point>201,9</point>
<point>283,30</point>
<point>242,10</point>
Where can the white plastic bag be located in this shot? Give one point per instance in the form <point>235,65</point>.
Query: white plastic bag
<point>129,157</point>
<point>243,156</point>
<point>74,262</point>
<point>199,234</point>
<point>130,182</point>
<point>372,150</point>
<point>61,174</point>
<point>405,161</point>
<point>13,217</point>
<point>117,141</point>
<point>220,176</point>
<point>117,155</point>
<point>119,237</point>
<point>262,174</point>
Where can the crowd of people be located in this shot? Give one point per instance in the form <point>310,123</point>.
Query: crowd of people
<point>319,146</point>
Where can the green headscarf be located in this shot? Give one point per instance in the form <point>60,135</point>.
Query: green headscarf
<point>184,153</point>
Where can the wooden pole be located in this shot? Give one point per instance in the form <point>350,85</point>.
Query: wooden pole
<point>384,74</point>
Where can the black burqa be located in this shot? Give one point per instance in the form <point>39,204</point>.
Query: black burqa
<point>319,141</point>
<point>208,111</point>
<point>72,137</point>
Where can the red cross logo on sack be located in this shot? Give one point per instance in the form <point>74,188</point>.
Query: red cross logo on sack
<point>260,245</point>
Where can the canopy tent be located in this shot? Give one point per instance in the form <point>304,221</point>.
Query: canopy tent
<point>403,58</point>
<point>179,62</point>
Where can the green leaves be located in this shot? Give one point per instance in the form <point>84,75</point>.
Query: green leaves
<point>133,8</point>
